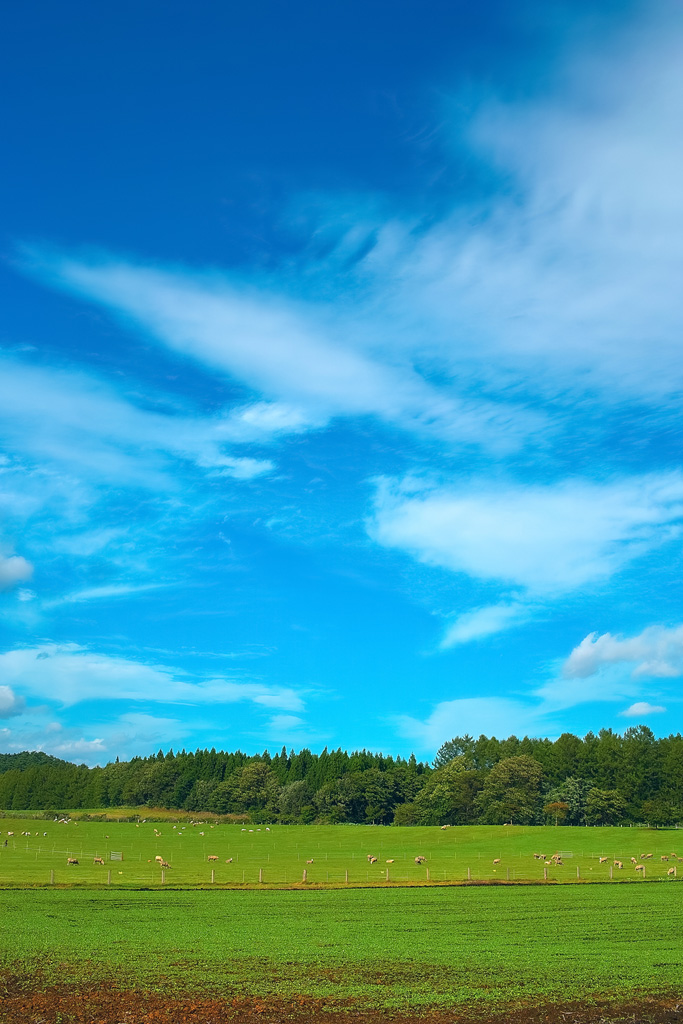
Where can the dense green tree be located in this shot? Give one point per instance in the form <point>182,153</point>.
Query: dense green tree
<point>512,792</point>
<point>604,807</point>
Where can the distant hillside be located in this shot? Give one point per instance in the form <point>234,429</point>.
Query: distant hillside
<point>27,759</point>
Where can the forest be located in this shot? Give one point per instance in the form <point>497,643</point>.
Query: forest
<point>602,779</point>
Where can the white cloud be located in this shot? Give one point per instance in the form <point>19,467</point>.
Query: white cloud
<point>10,704</point>
<point>656,652</point>
<point>641,708</point>
<point>483,622</point>
<point>70,674</point>
<point>307,360</point>
<point>78,748</point>
<point>492,716</point>
<point>14,569</point>
<point>285,724</point>
<point>549,540</point>
<point>73,420</point>
<point>108,592</point>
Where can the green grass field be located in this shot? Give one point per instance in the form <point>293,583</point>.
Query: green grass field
<point>388,948</point>
<point>282,853</point>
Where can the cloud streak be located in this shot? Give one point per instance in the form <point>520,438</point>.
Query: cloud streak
<point>71,674</point>
<point>549,540</point>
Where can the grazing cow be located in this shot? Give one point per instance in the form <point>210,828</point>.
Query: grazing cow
<point>98,860</point>
<point>229,860</point>
<point>373,860</point>
<point>420,860</point>
<point>671,871</point>
<point>618,864</point>
<point>633,860</point>
<point>158,859</point>
<point>165,864</point>
<point>391,861</point>
<point>603,860</point>
<point>640,867</point>
<point>663,858</point>
<point>212,857</point>
<point>369,856</point>
<point>310,861</point>
<point>497,860</point>
<point>444,827</point>
<point>71,860</point>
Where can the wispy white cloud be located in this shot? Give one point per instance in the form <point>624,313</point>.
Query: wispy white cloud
<point>657,652</point>
<point>547,539</point>
<point>306,360</point>
<point>70,674</point>
<point>73,420</point>
<point>484,622</point>
<point>101,593</point>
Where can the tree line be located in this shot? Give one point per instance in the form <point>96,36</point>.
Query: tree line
<point>600,779</point>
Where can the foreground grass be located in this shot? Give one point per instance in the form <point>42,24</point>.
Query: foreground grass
<point>393,949</point>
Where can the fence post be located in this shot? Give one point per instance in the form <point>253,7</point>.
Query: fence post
<point>52,876</point>
<point>469,875</point>
<point>427,874</point>
<point>213,876</point>
<point>611,870</point>
<point>508,874</point>
<point>545,874</point>
<point>163,876</point>
<point>304,876</point>
<point>387,874</point>
<point>347,875</point>
<point>578,872</point>
<point>109,877</point>
<point>260,874</point>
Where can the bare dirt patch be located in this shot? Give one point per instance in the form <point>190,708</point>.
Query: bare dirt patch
<point>105,1004</point>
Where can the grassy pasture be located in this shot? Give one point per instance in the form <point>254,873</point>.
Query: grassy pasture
<point>282,852</point>
<point>389,948</point>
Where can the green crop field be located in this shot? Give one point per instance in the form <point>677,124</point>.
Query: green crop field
<point>389,948</point>
<point>279,854</point>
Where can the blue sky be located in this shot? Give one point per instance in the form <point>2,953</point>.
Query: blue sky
<point>340,374</point>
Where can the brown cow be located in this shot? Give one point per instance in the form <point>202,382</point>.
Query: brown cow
<point>229,860</point>
<point>71,860</point>
<point>212,857</point>
<point>671,871</point>
<point>310,861</point>
<point>98,860</point>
